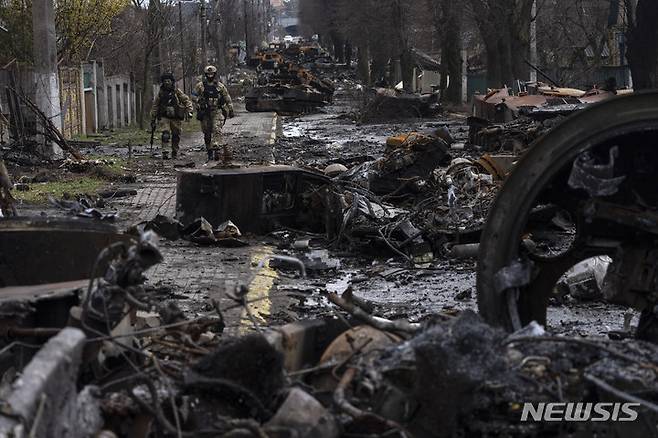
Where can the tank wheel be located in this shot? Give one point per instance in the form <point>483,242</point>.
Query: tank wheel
<point>522,256</point>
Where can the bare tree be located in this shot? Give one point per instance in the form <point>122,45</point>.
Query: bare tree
<point>583,46</point>
<point>505,30</point>
<point>447,16</point>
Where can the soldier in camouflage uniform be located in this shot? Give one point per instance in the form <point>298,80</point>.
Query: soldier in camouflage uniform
<point>214,106</point>
<point>170,108</point>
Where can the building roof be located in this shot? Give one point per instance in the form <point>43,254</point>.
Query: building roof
<point>425,61</point>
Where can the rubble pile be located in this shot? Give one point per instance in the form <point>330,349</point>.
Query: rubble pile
<point>147,370</point>
<point>415,198</point>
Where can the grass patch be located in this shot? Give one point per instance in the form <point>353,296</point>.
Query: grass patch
<point>122,136</point>
<point>81,181</point>
<point>40,192</point>
<point>136,136</point>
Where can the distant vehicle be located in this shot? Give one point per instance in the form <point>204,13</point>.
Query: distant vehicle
<point>288,39</point>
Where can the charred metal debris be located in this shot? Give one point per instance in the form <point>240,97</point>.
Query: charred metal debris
<point>108,357</point>
<point>290,79</point>
<point>127,364</point>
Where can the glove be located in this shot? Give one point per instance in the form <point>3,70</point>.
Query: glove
<point>231,114</point>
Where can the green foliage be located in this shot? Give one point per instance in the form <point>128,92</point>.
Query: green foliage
<point>17,18</point>
<point>79,24</point>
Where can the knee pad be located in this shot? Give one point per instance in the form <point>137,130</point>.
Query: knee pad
<point>175,136</point>
<point>166,136</point>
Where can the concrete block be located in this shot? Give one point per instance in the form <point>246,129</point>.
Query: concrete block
<point>45,399</point>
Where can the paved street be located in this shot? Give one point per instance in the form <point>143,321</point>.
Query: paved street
<point>198,274</point>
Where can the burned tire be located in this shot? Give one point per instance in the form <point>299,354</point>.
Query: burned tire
<point>540,178</point>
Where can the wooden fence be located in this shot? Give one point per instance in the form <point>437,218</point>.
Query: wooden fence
<point>70,92</point>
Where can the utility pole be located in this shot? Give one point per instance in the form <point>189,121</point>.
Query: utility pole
<point>246,28</point>
<point>533,42</point>
<point>46,76</point>
<point>204,49</point>
<point>219,40</point>
<point>182,44</point>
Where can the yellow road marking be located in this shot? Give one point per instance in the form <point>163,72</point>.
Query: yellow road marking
<point>274,126</point>
<point>259,289</point>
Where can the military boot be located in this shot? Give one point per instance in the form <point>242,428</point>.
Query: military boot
<point>174,149</point>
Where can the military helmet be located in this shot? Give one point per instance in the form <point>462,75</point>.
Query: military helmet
<point>166,76</point>
<point>211,69</point>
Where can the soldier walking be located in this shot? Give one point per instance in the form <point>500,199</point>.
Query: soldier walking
<point>214,106</point>
<point>170,108</point>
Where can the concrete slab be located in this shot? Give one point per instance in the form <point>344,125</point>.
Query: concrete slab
<point>44,400</point>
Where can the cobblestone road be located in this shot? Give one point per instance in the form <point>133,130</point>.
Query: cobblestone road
<point>197,274</point>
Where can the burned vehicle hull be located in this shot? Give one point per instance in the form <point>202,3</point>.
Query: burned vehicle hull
<point>285,87</point>
<point>258,199</point>
<point>597,172</point>
<point>284,99</point>
<point>385,103</point>
<point>65,249</point>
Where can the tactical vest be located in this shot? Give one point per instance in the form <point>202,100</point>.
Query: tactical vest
<point>170,105</point>
<point>212,97</point>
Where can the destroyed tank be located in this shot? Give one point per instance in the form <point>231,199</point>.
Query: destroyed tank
<point>292,90</point>
<point>596,171</point>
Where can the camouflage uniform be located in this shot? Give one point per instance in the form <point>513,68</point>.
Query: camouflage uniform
<point>214,106</point>
<point>170,109</point>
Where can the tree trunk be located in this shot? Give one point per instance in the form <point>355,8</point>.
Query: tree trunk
<point>339,46</point>
<point>642,52</point>
<point>451,51</point>
<point>147,94</point>
<point>379,62</point>
<point>494,75</point>
<point>505,30</point>
<point>407,67</point>
<point>348,53</point>
<point>505,60</point>
<point>218,40</point>
<point>363,65</point>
